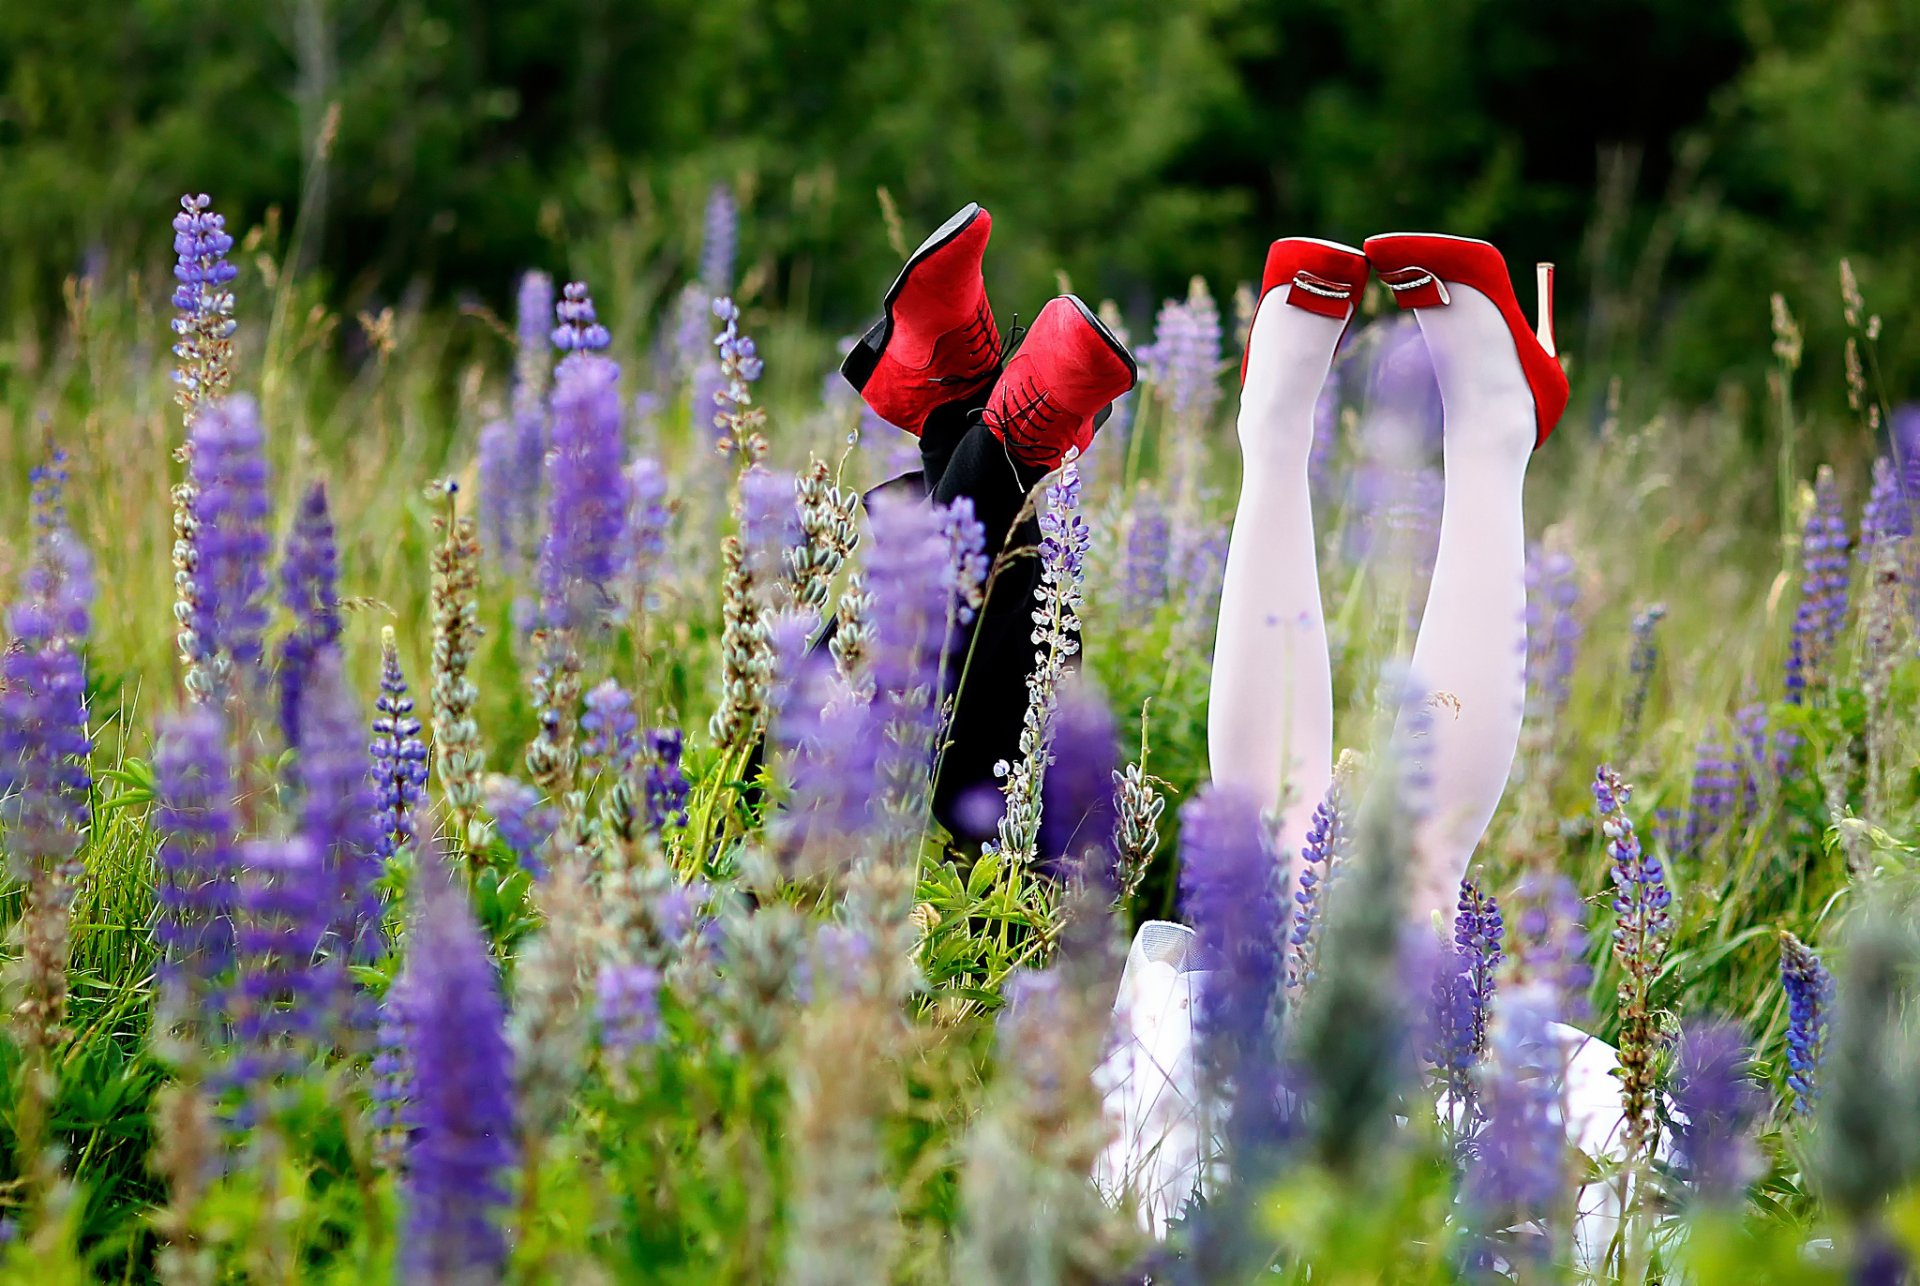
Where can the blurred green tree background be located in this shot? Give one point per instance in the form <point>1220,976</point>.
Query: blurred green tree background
<point>1681,158</point>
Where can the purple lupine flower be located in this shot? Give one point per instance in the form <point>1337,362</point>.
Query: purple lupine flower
<point>907,577</point>
<point>310,588</point>
<point>1201,560</point>
<point>45,779</point>
<point>1516,1174</point>
<point>1553,630</point>
<point>627,1004</point>
<point>707,397</point>
<point>720,238</point>
<point>1809,989</point>
<point>461,1121</point>
<point>339,809</point>
<point>1077,807</point>
<point>522,820</point>
<point>1325,845</point>
<point>399,756</point>
<point>1822,609</point>
<point>1711,801</point>
<point>1144,562</point>
<point>1716,1103</point>
<point>609,727</point>
<point>1903,441</point>
<point>647,517</point>
<point>1184,359</point>
<point>692,346</point>
<point>587,503</point>
<point>513,451</point>
<point>229,474</point>
<point>1230,886</point>
<point>204,327</point>
<point>289,993</point>
<point>197,865</point>
<point>579,331</point>
<point>1463,994</point>
<point>1886,515</point>
<point>967,563</point>
<point>1642,659</point>
<point>1751,739</point>
<point>392,1081</point>
<point>59,574</point>
<point>666,780</point>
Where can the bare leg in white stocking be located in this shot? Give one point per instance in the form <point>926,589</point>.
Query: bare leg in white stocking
<point>1270,708</point>
<point>1471,651</point>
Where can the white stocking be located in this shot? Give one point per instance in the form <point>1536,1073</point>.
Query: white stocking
<point>1470,657</point>
<point>1270,708</point>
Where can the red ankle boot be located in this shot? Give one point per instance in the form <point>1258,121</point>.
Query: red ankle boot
<point>1059,386</point>
<point>936,341</point>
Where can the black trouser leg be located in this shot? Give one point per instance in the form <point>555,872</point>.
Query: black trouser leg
<point>991,661</point>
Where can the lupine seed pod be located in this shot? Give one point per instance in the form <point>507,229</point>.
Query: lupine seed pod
<point>1136,833</point>
<point>853,636</point>
<point>458,754</point>
<point>829,532</point>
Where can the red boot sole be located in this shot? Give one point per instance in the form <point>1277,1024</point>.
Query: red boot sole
<point>859,365</point>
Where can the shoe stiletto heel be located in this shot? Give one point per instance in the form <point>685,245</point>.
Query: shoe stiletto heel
<point>1416,267</point>
<point>1322,277</point>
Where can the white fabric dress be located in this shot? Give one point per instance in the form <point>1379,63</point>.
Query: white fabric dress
<point>1157,1159</point>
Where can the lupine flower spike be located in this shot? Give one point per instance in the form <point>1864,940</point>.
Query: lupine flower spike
<point>309,586</point>
<point>399,756</point>
<point>1641,930</point>
<point>1809,988</point>
<point>231,511</point>
<point>461,1113</point>
<point>1064,539</point>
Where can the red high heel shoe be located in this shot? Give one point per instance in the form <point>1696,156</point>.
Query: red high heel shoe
<point>1416,267</point>
<point>935,341</point>
<point>1323,277</point>
<point>1059,386</point>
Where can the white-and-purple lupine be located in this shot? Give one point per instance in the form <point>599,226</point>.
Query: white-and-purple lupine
<point>232,544</point>
<point>1809,988</point>
<point>1641,930</point>
<point>1326,844</point>
<point>735,415</point>
<point>1716,1104</point>
<point>1064,540</point>
<point>578,331</point>
<point>1145,558</point>
<point>587,498</point>
<point>197,865</point>
<point>310,590</point>
<point>1553,630</point>
<point>203,325</point>
<point>719,240</point>
<point>399,756</point>
<point>1887,515</point>
<point>460,1111</point>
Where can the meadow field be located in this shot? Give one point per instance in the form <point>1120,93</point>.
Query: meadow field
<point>434,855</point>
